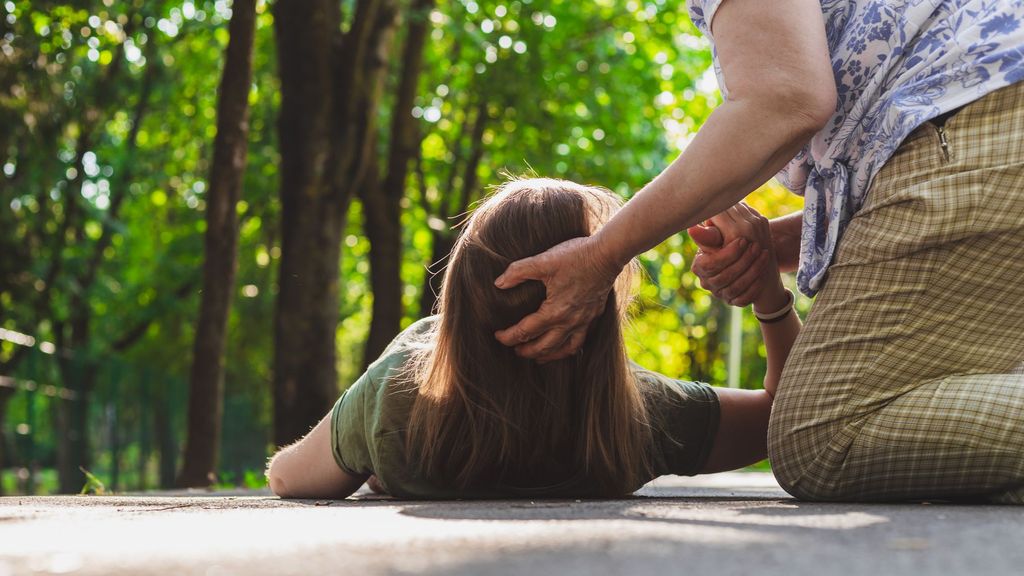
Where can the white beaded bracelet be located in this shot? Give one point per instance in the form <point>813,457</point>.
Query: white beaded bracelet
<point>780,313</point>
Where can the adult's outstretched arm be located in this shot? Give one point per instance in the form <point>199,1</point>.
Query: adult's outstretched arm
<point>781,91</point>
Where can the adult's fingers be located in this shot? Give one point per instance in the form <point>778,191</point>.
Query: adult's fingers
<point>552,345</point>
<point>576,340</point>
<point>709,264</point>
<point>756,222</point>
<point>743,208</point>
<point>706,237</point>
<point>518,272</point>
<point>733,223</point>
<point>724,220</point>
<point>749,295</point>
<point>527,329</point>
<point>750,276</point>
<point>569,347</point>
<point>728,276</point>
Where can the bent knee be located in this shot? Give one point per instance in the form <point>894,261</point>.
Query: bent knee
<point>789,466</point>
<point>804,460</point>
<point>804,486</point>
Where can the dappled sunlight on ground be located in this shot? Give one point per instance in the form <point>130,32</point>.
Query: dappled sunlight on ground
<point>736,523</point>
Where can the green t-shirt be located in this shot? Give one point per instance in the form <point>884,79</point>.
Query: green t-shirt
<point>370,419</point>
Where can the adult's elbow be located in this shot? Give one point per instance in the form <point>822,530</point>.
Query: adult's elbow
<point>813,106</point>
<point>795,112</point>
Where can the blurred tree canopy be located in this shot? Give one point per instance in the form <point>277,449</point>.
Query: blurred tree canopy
<point>109,116</point>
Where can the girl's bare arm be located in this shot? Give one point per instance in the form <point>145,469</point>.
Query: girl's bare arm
<point>306,469</point>
<point>743,423</point>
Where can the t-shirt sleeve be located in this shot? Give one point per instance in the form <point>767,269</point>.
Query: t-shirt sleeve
<point>684,420</point>
<point>358,417</point>
<point>702,12</point>
<point>351,421</point>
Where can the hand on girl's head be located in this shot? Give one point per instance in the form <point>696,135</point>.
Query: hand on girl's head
<point>577,290</point>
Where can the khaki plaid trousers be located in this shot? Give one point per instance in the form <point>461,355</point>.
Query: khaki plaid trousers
<point>906,380</point>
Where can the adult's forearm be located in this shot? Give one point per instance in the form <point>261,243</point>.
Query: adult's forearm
<point>742,145</point>
<point>786,237</point>
<point>778,342</point>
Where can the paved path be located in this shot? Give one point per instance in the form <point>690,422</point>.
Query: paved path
<point>715,525</point>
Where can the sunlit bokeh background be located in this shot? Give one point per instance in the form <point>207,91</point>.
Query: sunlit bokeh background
<point>108,115</point>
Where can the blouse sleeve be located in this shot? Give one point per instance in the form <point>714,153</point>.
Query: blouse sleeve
<point>702,12</point>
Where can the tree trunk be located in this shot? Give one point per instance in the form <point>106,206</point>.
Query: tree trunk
<point>382,205</point>
<point>115,446</point>
<point>382,224</point>
<point>79,378</point>
<point>306,308</point>
<point>443,240</point>
<point>167,463</point>
<point>142,464</point>
<point>5,460</point>
<point>72,341</point>
<point>78,371</point>
<point>330,92</point>
<point>206,382</point>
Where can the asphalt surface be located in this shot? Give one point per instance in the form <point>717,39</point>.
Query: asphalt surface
<point>721,524</point>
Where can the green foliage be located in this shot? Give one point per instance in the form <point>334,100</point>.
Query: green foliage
<point>93,485</point>
<point>248,479</point>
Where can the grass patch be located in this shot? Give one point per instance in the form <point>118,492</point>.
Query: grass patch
<point>762,466</point>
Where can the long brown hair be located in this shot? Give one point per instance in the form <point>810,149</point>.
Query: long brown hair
<point>484,416</point>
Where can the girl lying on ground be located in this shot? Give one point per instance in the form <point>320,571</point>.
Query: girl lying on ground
<point>447,411</point>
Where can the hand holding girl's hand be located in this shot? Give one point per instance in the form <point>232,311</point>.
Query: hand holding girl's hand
<point>736,261</point>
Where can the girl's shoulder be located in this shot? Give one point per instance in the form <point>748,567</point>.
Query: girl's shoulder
<point>683,418</point>
<point>655,387</point>
<point>419,335</point>
<point>396,361</point>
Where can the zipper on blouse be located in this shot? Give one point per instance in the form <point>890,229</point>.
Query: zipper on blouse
<point>943,142</point>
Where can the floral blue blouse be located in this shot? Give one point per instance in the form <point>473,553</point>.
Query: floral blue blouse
<point>897,64</point>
